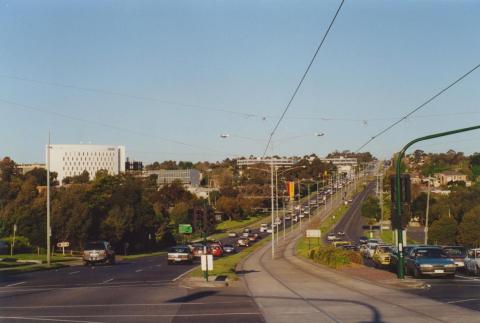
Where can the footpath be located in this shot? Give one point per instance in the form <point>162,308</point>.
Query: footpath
<point>289,288</point>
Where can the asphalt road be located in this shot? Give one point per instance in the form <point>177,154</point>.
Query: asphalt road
<point>144,290</point>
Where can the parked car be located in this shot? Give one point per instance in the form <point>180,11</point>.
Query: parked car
<point>472,262</point>
<point>247,230</point>
<point>457,253</point>
<point>381,256</point>
<point>370,249</point>
<point>232,234</point>
<point>432,261</point>
<point>229,249</point>
<point>98,252</point>
<point>351,247</point>
<point>339,243</point>
<point>179,254</point>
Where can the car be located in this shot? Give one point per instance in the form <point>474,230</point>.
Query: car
<point>247,230</point>
<point>269,230</point>
<point>216,250</point>
<point>179,254</point>
<point>340,233</point>
<point>405,251</point>
<point>381,256</point>
<point>245,234</point>
<point>242,242</point>
<point>472,262</point>
<point>253,237</point>
<point>431,261</point>
<point>351,247</point>
<point>363,240</point>
<point>199,250</point>
<point>232,234</point>
<point>331,237</point>
<point>370,250</point>
<point>263,227</point>
<point>301,215</point>
<point>98,252</point>
<point>287,217</point>
<point>4,247</point>
<point>457,253</point>
<point>229,249</point>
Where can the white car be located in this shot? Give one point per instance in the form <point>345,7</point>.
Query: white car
<point>263,227</point>
<point>331,237</point>
<point>232,234</point>
<point>472,262</point>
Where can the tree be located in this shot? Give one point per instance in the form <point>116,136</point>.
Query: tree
<point>231,207</point>
<point>371,209</point>
<point>443,231</point>
<point>469,229</point>
<point>7,169</point>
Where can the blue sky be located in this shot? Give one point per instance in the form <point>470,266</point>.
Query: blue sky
<point>188,71</point>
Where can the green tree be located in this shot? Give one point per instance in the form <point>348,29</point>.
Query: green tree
<point>443,231</point>
<point>469,229</point>
<point>371,209</point>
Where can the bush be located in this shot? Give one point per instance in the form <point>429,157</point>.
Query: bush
<point>22,245</point>
<point>334,257</point>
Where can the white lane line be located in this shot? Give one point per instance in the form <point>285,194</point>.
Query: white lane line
<point>138,270</point>
<point>107,281</point>
<point>158,265</point>
<point>16,284</point>
<point>24,318</point>
<point>148,315</point>
<point>73,272</point>
<point>464,300</point>
<point>185,273</point>
<point>116,305</point>
<point>466,277</point>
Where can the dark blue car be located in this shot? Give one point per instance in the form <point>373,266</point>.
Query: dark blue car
<point>431,261</point>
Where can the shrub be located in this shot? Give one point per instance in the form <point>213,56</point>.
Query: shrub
<point>21,243</point>
<point>333,257</point>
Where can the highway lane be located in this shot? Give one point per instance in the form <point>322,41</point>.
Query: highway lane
<point>142,290</point>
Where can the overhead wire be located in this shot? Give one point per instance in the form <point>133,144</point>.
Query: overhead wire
<point>302,78</point>
<point>463,76</point>
<point>106,125</point>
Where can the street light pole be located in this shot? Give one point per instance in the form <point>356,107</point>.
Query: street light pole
<point>427,211</point>
<point>273,206</point>
<point>49,229</point>
<point>276,201</point>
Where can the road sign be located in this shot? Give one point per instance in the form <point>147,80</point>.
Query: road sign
<point>314,234</point>
<point>184,228</point>
<point>64,244</point>
<point>206,262</point>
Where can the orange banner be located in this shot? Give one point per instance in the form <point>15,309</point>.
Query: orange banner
<point>291,190</point>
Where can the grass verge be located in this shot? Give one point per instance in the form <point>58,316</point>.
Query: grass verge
<point>41,257</point>
<point>226,265</point>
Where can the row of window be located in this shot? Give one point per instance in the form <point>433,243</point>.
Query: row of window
<point>89,164</point>
<point>87,153</point>
<point>87,158</point>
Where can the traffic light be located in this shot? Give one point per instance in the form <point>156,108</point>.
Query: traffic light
<point>405,189</point>
<point>203,220</point>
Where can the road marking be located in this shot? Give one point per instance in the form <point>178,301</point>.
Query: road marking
<point>118,305</point>
<point>23,318</point>
<point>144,315</point>
<point>185,273</point>
<point>74,272</point>
<point>138,270</point>
<point>16,284</point>
<point>158,265</point>
<point>466,277</point>
<point>464,300</point>
<point>107,281</point>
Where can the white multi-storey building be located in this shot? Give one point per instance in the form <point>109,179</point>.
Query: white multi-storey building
<point>72,160</point>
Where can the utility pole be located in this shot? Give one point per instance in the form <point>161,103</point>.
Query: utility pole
<point>276,201</point>
<point>308,199</point>
<point>427,210</point>
<point>49,229</point>
<point>381,200</point>
<point>273,206</point>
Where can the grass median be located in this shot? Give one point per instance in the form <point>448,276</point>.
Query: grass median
<point>226,266</point>
<point>141,255</point>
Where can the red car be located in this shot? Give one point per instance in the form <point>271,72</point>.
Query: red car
<point>217,251</point>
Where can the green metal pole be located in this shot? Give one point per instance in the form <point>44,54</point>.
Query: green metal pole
<point>401,261</point>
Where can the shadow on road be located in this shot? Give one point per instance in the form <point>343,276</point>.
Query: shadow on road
<point>193,297</point>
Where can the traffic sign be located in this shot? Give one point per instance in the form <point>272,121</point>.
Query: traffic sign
<point>206,262</point>
<point>64,244</point>
<point>314,234</point>
<point>184,228</point>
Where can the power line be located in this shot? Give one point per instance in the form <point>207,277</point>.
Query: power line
<point>302,79</point>
<point>105,125</point>
<point>131,96</point>
<point>418,108</point>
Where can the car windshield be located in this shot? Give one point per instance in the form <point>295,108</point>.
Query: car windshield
<point>227,246</point>
<point>430,253</point>
<point>384,249</point>
<point>180,249</point>
<point>94,246</point>
<point>455,251</point>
